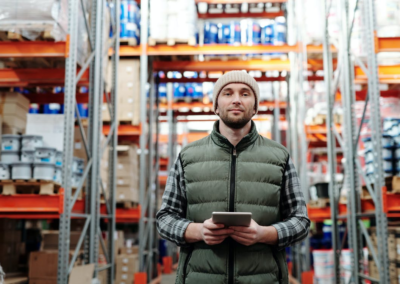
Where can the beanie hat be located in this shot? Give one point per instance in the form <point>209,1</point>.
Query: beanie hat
<point>235,77</point>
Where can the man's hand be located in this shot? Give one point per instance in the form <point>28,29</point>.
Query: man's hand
<point>254,234</point>
<point>214,234</point>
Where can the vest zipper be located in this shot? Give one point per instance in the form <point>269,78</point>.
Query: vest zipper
<point>277,264</point>
<point>189,256</point>
<point>232,209</point>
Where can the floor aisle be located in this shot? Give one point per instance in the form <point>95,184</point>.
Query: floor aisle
<point>168,278</point>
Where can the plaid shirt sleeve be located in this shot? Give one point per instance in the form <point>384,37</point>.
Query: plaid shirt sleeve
<point>171,221</point>
<point>295,225</point>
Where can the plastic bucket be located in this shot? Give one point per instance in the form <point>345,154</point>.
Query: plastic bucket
<point>31,142</point>
<point>21,170</point>
<point>28,156</point>
<point>45,155</point>
<point>9,157</point>
<point>4,171</point>
<point>44,171</point>
<point>10,142</point>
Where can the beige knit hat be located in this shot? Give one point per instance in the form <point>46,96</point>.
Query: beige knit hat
<point>236,77</point>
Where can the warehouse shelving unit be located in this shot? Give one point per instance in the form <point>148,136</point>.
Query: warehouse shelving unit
<point>65,205</point>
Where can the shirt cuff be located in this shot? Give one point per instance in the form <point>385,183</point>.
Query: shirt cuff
<point>181,235</point>
<point>282,235</point>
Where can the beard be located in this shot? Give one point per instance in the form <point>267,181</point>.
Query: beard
<point>235,122</point>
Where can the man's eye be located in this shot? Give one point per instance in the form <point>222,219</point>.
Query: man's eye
<point>227,94</point>
<point>245,94</point>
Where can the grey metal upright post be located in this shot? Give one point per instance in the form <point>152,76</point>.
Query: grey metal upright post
<point>143,136</point>
<point>95,101</point>
<point>348,99</point>
<point>277,112</point>
<point>376,133</point>
<point>328,72</point>
<point>69,118</point>
<point>112,162</point>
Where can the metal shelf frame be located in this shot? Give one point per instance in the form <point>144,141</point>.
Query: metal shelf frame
<point>91,236</point>
<point>344,77</point>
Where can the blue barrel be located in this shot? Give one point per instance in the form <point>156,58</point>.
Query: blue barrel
<point>189,90</point>
<point>51,109</point>
<point>253,33</point>
<point>124,11</point>
<point>280,31</point>
<point>34,108</point>
<point>224,33</point>
<point>58,90</point>
<point>235,33</point>
<point>198,91</point>
<point>210,33</point>
<point>133,12</point>
<point>162,90</point>
<point>179,91</point>
<point>267,36</point>
<point>83,110</point>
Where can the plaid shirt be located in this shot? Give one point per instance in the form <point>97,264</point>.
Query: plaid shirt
<point>172,224</point>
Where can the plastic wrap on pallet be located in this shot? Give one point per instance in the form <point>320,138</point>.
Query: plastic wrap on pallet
<point>31,18</point>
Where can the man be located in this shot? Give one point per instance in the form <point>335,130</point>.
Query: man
<point>234,169</point>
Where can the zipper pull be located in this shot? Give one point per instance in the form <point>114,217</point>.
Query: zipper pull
<point>234,151</point>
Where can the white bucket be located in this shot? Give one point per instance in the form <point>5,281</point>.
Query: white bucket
<point>397,166</point>
<point>9,157</point>
<point>45,155</point>
<point>322,257</point>
<point>397,139</point>
<point>4,171</point>
<point>59,158</point>
<point>397,153</point>
<point>58,174</point>
<point>21,170</point>
<point>10,142</point>
<point>76,179</point>
<point>323,270</point>
<point>31,142</point>
<point>388,165</point>
<point>44,171</point>
<point>387,141</point>
<point>28,156</point>
<point>78,165</point>
<point>387,153</point>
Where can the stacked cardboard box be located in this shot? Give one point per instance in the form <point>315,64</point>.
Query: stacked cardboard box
<point>125,268</point>
<point>10,244</point>
<point>394,254</point>
<point>128,91</point>
<point>14,108</point>
<point>127,174</point>
<point>50,240</point>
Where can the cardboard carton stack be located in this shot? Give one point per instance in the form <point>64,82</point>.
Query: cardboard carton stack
<point>125,268</point>
<point>128,91</point>
<point>14,108</point>
<point>10,244</point>
<point>127,174</point>
<point>43,264</point>
<point>394,254</point>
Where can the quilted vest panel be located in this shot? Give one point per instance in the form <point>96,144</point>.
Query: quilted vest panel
<point>259,166</point>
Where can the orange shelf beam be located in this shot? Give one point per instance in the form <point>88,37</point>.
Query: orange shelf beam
<point>387,74</point>
<point>36,77</point>
<point>125,130</point>
<point>258,65</point>
<point>321,214</point>
<point>265,15</point>
<point>32,49</point>
<point>391,44</point>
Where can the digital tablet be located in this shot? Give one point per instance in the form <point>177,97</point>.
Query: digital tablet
<point>232,218</point>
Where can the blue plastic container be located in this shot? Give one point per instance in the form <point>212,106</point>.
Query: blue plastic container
<point>280,31</point>
<point>179,90</point>
<point>198,91</point>
<point>210,33</point>
<point>267,36</point>
<point>124,10</point>
<point>162,90</point>
<point>235,33</point>
<point>51,109</point>
<point>34,108</point>
<point>83,110</point>
<point>253,33</point>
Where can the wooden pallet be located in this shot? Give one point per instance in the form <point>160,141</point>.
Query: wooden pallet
<point>33,186</point>
<point>12,36</point>
<point>128,41</point>
<point>319,203</point>
<point>127,205</point>
<point>172,41</point>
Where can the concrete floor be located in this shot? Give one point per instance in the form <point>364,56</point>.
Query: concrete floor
<point>168,278</point>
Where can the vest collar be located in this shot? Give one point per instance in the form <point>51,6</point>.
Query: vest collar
<point>223,142</point>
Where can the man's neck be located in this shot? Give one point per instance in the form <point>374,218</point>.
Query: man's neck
<point>234,135</point>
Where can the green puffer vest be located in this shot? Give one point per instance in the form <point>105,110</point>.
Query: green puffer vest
<point>218,180</point>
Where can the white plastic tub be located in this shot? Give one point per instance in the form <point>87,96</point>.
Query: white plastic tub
<point>27,156</point>
<point>31,142</point>
<point>45,155</point>
<point>10,142</point>
<point>21,170</point>
<point>44,171</point>
<point>9,157</point>
<point>388,165</point>
<point>78,165</point>
<point>387,153</point>
<point>59,158</point>
<point>58,174</point>
<point>4,171</point>
<point>397,153</point>
<point>76,179</point>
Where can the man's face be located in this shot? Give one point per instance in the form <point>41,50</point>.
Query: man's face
<point>236,105</point>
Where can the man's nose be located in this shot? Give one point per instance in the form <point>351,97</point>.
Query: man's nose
<point>236,99</point>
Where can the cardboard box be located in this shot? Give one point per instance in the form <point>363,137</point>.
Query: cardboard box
<point>43,265</point>
<point>396,184</point>
<point>50,240</point>
<point>42,281</point>
<point>398,244</point>
<point>130,251</point>
<point>126,267</point>
<point>14,98</point>
<point>126,193</point>
<point>10,236</point>
<point>393,273</point>
<point>392,245</point>
<point>50,126</point>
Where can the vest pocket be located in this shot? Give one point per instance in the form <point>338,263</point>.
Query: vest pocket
<point>277,264</point>
<point>185,266</point>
